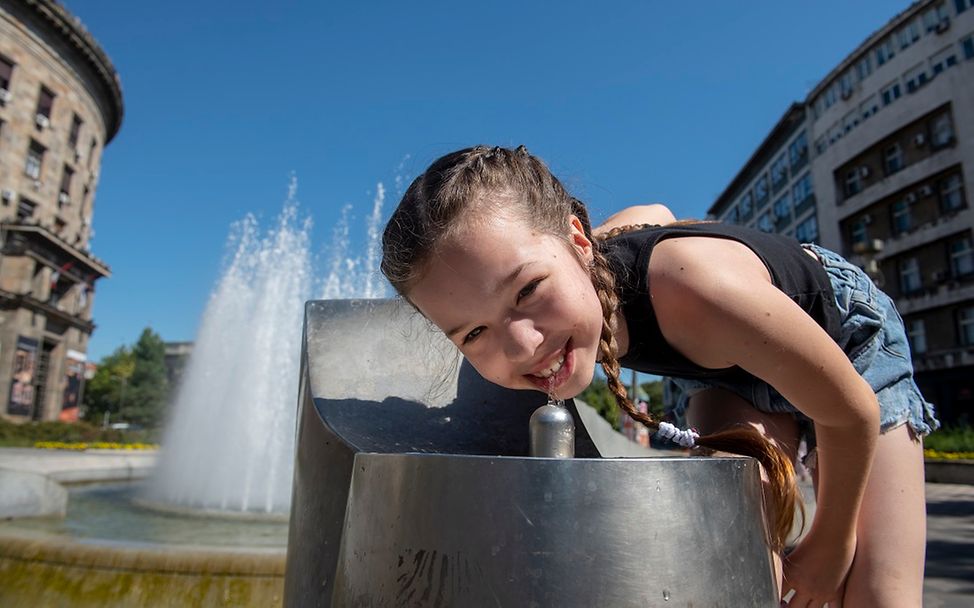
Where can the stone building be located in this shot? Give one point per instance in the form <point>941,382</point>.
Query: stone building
<point>877,163</point>
<point>60,104</point>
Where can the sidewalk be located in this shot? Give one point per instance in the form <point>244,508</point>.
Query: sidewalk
<point>949,581</point>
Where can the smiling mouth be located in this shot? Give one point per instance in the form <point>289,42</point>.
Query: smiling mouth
<point>557,371</point>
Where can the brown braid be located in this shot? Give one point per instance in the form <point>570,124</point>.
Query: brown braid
<point>484,179</point>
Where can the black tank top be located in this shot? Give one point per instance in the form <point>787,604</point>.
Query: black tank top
<point>792,271</point>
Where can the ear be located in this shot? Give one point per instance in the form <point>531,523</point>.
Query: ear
<point>580,243</point>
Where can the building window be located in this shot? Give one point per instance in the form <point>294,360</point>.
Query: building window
<point>731,215</point>
<point>908,34</point>
<point>864,68</point>
<point>850,121</point>
<point>915,78</point>
<point>76,123</point>
<point>936,19</point>
<point>6,73</point>
<point>782,208</point>
<point>965,323</point>
<point>745,207</point>
<point>802,190</point>
<point>893,159</point>
<point>779,172</point>
<point>902,217</point>
<point>916,333</point>
<point>835,132</point>
<point>761,189</point>
<point>35,160</point>
<point>961,258</point>
<point>884,52</point>
<point>890,93</point>
<point>25,209</point>
<point>952,193</point>
<point>853,182</point>
<point>831,95</point>
<point>807,231</point>
<point>869,107</point>
<point>859,232</point>
<point>845,85</point>
<point>963,5</point>
<point>798,151</point>
<point>45,102</point>
<point>942,60</point>
<point>967,44</point>
<point>943,131</point>
<point>910,281</point>
<point>64,194</point>
<point>764,222</point>
<point>91,151</point>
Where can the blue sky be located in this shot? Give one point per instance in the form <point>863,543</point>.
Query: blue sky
<point>628,102</point>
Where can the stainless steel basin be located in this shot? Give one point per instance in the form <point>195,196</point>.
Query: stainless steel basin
<point>413,487</point>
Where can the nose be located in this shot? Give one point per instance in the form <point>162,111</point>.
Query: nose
<point>522,339</point>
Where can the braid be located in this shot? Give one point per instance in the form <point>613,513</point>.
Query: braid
<point>782,498</point>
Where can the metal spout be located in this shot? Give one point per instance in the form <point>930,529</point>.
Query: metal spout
<point>552,431</point>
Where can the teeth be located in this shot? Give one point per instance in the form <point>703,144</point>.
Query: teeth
<point>547,373</point>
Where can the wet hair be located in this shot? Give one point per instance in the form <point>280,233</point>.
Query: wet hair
<point>460,187</point>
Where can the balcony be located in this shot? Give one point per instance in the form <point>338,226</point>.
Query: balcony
<point>934,230</point>
<point>945,294</point>
<point>960,356</point>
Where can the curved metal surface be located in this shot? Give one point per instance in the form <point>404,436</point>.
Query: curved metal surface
<point>413,487</point>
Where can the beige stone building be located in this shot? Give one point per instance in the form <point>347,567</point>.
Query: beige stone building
<point>877,163</point>
<point>60,104</point>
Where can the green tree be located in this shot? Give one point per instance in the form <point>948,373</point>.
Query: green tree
<point>131,384</point>
<point>149,382</point>
<point>653,395</point>
<point>106,392</point>
<point>598,395</point>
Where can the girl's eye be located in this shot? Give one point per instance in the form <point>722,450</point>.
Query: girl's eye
<point>472,335</point>
<point>528,290</point>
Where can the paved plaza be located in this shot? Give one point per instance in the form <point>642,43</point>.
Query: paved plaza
<point>950,546</point>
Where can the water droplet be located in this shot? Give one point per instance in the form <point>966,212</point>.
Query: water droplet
<point>666,595</point>
<point>658,488</point>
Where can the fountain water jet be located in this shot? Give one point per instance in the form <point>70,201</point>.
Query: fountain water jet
<point>229,444</point>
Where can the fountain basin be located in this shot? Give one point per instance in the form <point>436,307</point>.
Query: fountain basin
<point>42,570</point>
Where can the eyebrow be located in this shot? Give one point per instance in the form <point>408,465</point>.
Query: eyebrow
<point>502,285</point>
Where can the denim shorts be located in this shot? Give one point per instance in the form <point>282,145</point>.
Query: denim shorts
<point>873,337</point>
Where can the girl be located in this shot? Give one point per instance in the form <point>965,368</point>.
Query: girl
<point>771,340</point>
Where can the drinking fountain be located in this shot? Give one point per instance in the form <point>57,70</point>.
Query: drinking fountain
<point>414,486</point>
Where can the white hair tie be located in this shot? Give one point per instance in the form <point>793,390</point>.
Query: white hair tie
<point>687,438</point>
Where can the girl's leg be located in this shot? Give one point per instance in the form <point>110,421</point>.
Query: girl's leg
<point>891,532</point>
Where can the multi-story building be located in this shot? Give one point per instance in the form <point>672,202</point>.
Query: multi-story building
<point>60,104</point>
<point>877,163</point>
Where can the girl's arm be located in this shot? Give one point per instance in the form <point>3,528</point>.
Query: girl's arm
<point>716,304</point>
<point>638,214</point>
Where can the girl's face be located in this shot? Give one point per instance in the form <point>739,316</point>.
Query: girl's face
<point>519,304</point>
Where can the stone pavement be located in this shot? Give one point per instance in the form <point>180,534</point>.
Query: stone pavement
<point>949,581</point>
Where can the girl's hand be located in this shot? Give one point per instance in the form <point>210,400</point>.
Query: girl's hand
<point>817,571</point>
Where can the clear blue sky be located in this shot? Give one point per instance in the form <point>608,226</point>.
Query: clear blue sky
<point>628,102</point>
